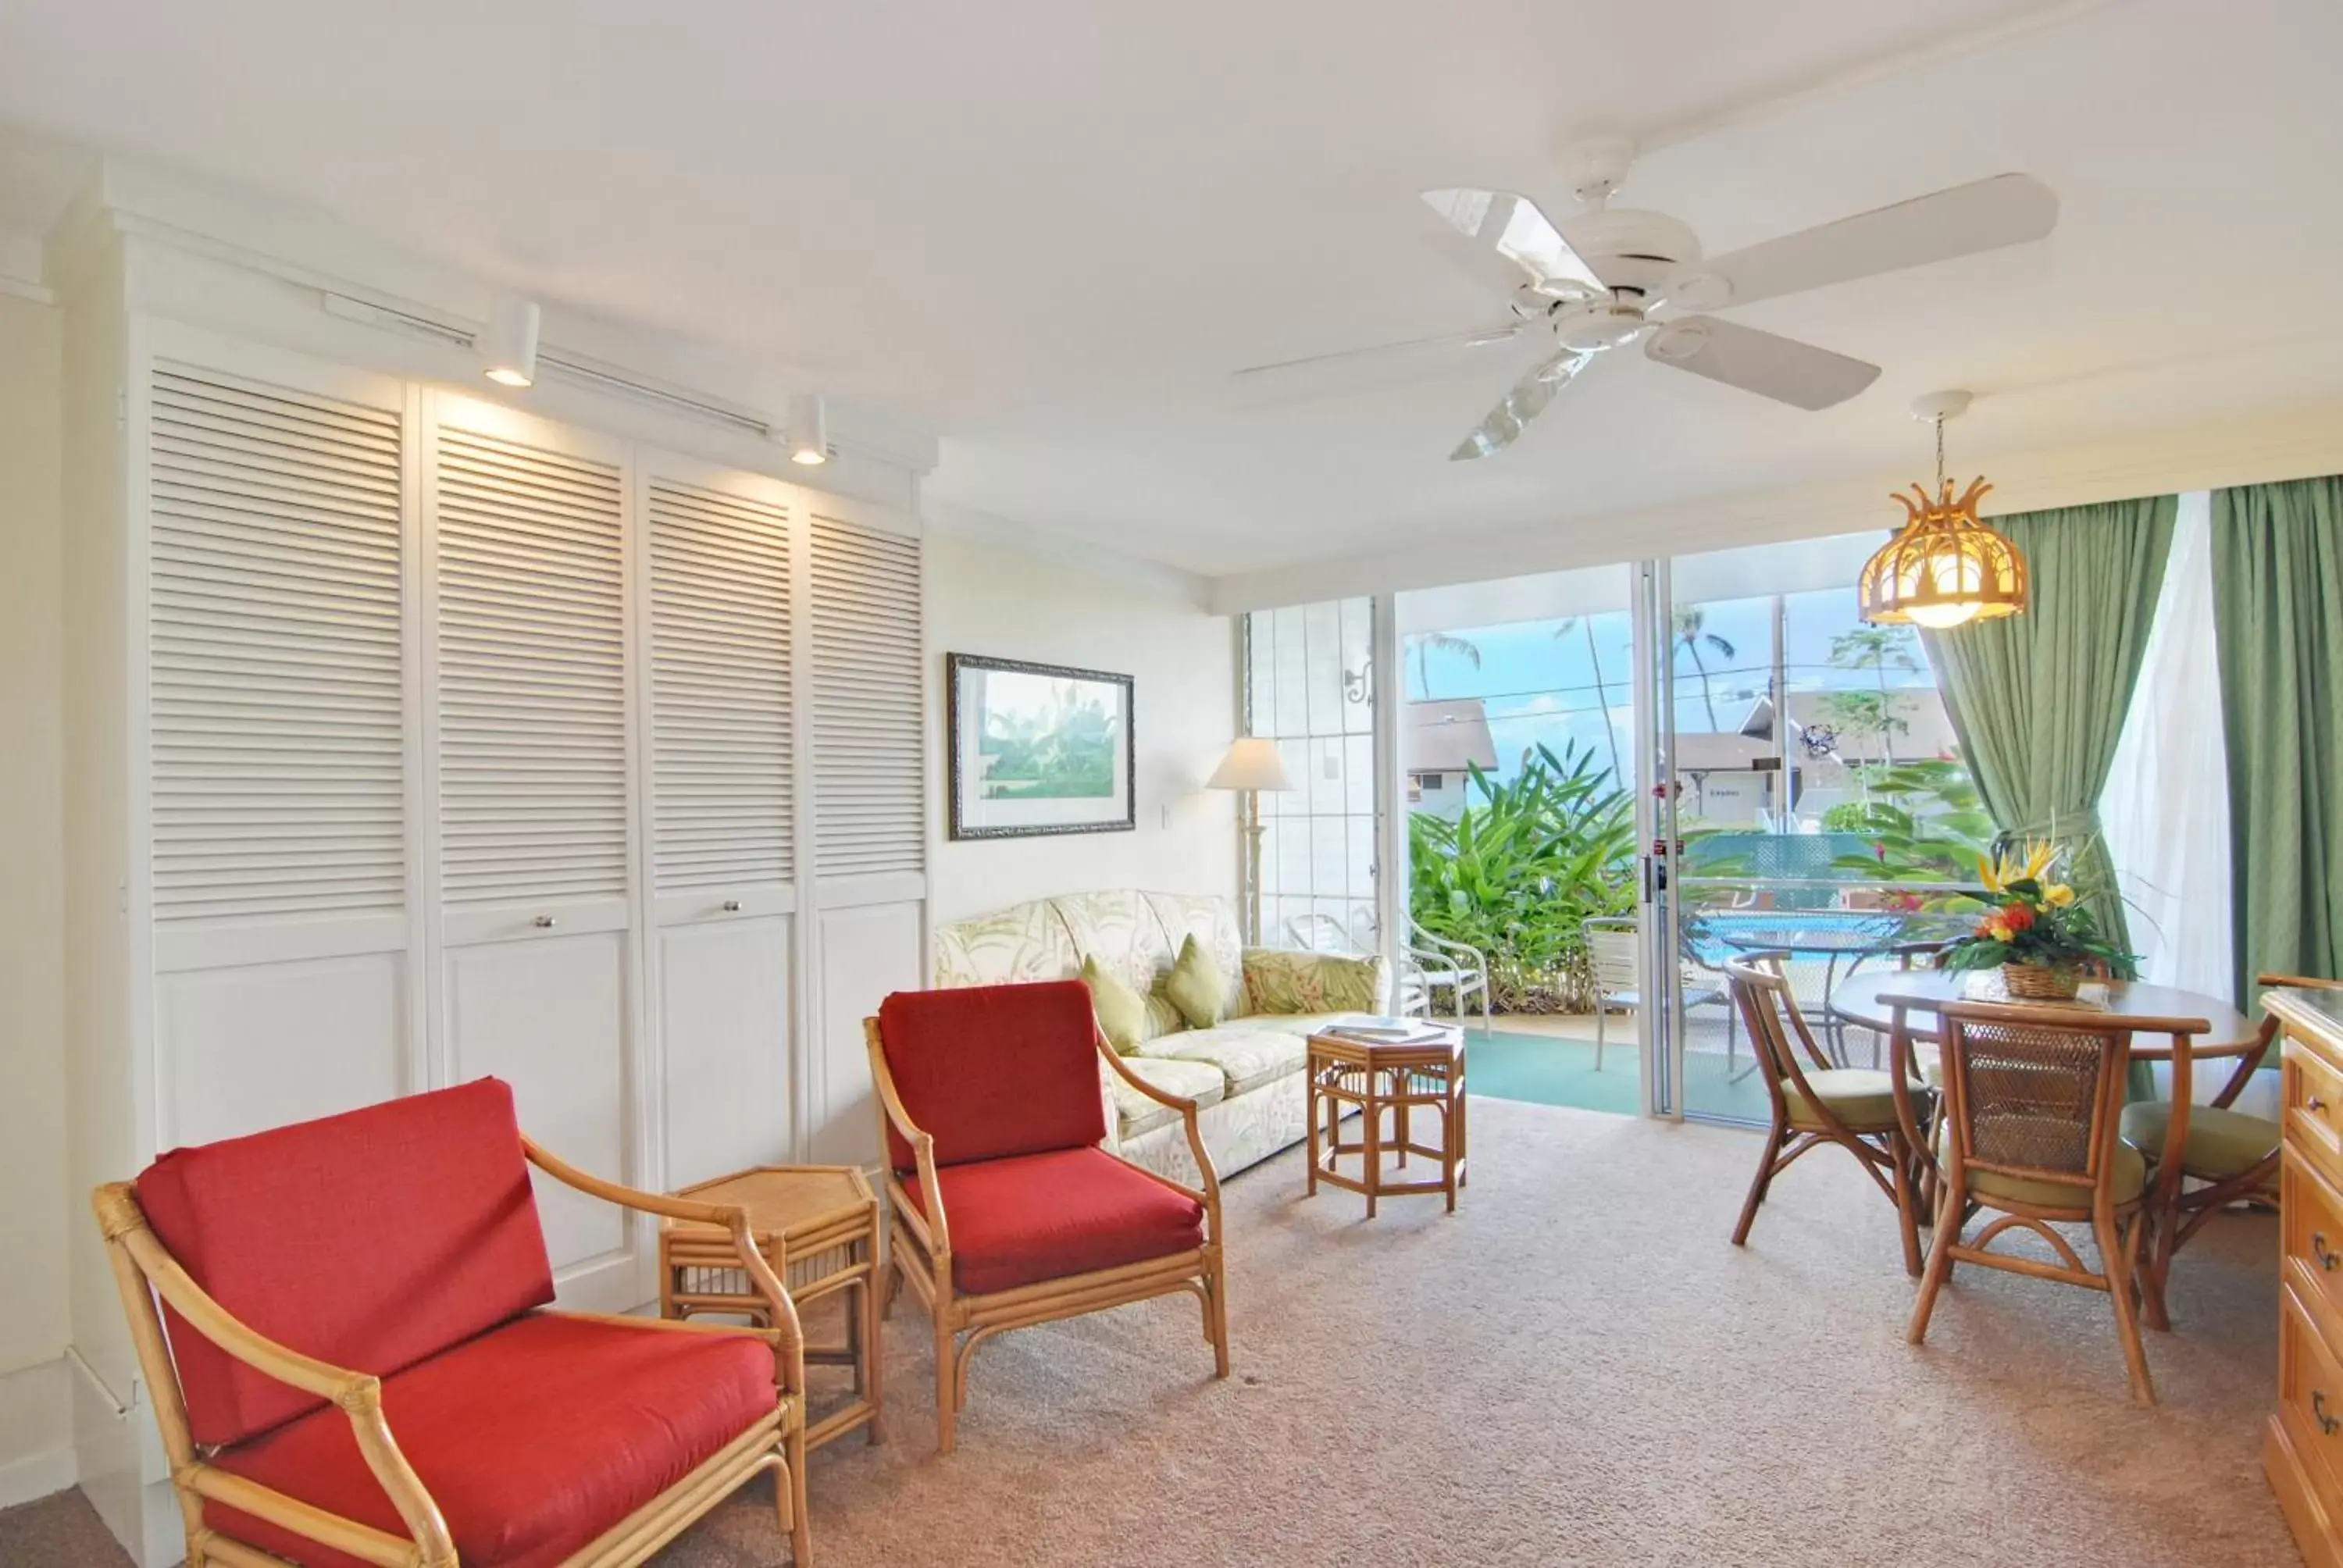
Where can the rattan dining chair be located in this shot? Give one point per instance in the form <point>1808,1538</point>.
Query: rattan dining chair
<point>2033,1096</point>
<point>1818,1098</point>
<point>2232,1154</point>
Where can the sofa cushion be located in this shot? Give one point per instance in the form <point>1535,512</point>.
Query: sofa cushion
<point>1198,1081</point>
<point>1035,1217</point>
<point>1212,919</point>
<point>1115,926</point>
<point>994,1070</point>
<point>533,1439</point>
<point>370,1239</point>
<point>1293,980</point>
<point>1247,1058</point>
<point>1015,946</point>
<point>1121,1012</point>
<point>1196,986</point>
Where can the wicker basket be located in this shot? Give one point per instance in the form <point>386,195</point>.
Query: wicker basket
<point>2032,983</point>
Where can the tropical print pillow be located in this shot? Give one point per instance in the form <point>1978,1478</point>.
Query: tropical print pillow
<point>1289,980</point>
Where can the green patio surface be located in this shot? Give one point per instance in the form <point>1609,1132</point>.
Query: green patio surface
<point>1550,1070</point>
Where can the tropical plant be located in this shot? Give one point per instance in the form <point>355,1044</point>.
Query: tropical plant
<point>1691,635</point>
<point>2035,922</point>
<point>1878,648</point>
<point>1926,823</point>
<point>1585,624</point>
<point>1422,644</point>
<point>1522,867</point>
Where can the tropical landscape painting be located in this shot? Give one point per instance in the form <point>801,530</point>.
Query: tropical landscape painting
<point>1038,748</point>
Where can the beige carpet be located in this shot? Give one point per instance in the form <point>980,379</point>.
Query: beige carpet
<point>1575,1369</point>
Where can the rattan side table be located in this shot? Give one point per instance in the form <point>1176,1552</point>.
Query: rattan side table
<point>1351,1071</point>
<point>817,1225</point>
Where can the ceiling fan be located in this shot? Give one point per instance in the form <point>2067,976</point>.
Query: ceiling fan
<point>1611,277</point>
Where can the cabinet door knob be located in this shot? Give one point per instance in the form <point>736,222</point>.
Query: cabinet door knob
<point>732,906</point>
<point>2329,1258</point>
<point>2327,1424</point>
<point>543,922</point>
<point>2315,1105</point>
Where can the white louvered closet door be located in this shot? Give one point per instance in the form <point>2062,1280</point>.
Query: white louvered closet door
<point>276,516</point>
<point>529,742</point>
<point>869,730</point>
<point>719,555</point>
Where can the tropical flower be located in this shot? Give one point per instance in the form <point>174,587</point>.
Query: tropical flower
<point>2058,895</point>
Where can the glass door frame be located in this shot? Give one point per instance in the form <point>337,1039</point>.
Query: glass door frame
<point>1659,1015</point>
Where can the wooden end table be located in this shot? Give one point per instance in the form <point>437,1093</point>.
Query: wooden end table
<point>1349,1072</point>
<point>818,1226</point>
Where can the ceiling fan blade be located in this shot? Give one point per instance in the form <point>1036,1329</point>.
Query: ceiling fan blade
<point>1504,332</point>
<point>1528,398</point>
<point>1984,214</point>
<point>1782,368</point>
<point>1508,241</point>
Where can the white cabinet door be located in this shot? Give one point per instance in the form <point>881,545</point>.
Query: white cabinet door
<point>723,810</point>
<point>528,740</point>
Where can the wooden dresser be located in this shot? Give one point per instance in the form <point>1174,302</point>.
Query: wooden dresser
<point>2302,1449</point>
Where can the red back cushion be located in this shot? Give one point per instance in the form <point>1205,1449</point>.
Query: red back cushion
<point>370,1239</point>
<point>993,1070</point>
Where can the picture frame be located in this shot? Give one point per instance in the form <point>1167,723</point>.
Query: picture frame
<point>1038,750</point>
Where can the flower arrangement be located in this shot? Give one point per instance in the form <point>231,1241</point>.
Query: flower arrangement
<point>2036,931</point>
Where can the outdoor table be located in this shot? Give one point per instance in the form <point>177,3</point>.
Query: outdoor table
<point>1832,935</point>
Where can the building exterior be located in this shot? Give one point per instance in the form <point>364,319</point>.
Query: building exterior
<point>1441,741</point>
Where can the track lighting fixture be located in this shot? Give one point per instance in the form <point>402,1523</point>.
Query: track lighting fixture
<point>807,432</point>
<point>507,343</point>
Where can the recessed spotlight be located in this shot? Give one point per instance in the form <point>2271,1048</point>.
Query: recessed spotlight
<point>807,432</point>
<point>507,343</point>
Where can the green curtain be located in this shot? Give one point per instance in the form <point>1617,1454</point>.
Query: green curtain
<point>2039,699</point>
<point>2277,611</point>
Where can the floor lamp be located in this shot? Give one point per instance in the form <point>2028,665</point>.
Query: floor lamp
<point>1251,766</point>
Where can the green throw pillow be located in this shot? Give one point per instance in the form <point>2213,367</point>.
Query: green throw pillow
<point>1196,986</point>
<point>1121,1012</point>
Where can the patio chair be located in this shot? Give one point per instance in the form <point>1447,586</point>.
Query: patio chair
<point>1617,961</point>
<point>1428,961</point>
<point>1005,1212</point>
<point>2034,1099</point>
<point>1319,932</point>
<point>1818,1098</point>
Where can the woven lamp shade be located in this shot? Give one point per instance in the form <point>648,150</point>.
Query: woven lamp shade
<point>1943,567</point>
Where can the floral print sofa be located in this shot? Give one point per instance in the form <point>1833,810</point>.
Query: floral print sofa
<point>1245,1075</point>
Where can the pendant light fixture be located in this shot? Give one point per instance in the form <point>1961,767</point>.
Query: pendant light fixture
<point>507,345</point>
<point>1946,565</point>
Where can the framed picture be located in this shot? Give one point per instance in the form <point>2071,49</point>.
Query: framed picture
<point>1038,748</point>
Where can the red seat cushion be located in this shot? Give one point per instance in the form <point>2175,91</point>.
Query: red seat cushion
<point>1035,1217</point>
<point>533,1438</point>
<point>994,1070</point>
<point>369,1239</point>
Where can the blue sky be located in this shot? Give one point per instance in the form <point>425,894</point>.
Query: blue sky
<point>1541,687</point>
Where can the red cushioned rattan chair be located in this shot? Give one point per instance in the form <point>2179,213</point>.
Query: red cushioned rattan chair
<point>353,1364</point>
<point>1005,1210</point>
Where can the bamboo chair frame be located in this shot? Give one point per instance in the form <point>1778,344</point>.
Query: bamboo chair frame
<point>1761,994</point>
<point>2119,1229</point>
<point>144,1270</point>
<point>2182,1211</point>
<point>919,1250</point>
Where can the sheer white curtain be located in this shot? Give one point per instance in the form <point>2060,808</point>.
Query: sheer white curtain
<point>2165,812</point>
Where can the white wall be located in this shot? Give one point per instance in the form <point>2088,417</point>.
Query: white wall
<point>36,1433</point>
<point>993,593</point>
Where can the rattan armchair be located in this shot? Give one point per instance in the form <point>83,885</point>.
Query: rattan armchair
<point>2033,1099</point>
<point>1880,1118</point>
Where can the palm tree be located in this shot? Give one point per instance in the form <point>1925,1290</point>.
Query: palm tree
<point>1691,635</point>
<point>1563,628</point>
<point>1424,641</point>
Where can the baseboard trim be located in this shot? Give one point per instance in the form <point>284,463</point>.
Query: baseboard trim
<point>37,1475</point>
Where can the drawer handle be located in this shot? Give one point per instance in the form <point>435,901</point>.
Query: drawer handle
<point>2327,1424</point>
<point>2329,1258</point>
<point>2315,1105</point>
<point>732,906</point>
<point>543,922</point>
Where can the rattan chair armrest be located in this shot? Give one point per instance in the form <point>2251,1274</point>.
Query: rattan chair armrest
<point>923,1144</point>
<point>1209,1195</point>
<point>2305,982</point>
<point>2265,1041</point>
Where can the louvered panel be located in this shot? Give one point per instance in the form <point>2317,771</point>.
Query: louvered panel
<point>723,788</point>
<point>274,715</point>
<point>532,705</point>
<point>869,715</point>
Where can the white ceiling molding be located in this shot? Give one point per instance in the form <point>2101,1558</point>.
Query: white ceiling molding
<point>2300,444</point>
<point>20,269</point>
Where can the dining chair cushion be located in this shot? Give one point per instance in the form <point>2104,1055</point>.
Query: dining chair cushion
<point>533,1438</point>
<point>994,1070</point>
<point>1860,1097</point>
<point>2129,1177</point>
<point>2220,1144</point>
<point>1037,1217</point>
<point>370,1239</point>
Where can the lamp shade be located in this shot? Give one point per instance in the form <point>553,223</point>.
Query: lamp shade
<point>1252,763</point>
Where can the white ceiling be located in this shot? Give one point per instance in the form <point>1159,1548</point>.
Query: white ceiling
<point>1054,228</point>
